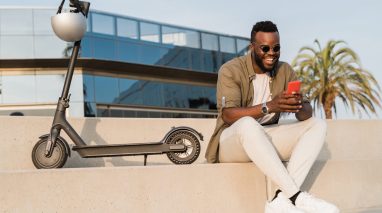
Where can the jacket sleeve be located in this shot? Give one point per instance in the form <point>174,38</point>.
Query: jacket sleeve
<point>228,92</point>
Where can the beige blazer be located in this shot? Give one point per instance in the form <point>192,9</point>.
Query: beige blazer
<point>235,89</point>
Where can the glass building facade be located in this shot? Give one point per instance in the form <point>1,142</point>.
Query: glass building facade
<point>25,33</point>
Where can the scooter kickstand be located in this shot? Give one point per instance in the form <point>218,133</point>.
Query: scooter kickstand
<point>145,160</point>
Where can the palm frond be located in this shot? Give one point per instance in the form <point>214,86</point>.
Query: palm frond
<point>335,71</point>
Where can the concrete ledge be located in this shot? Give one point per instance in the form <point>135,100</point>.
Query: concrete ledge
<point>353,186</point>
<point>346,139</point>
<point>193,188</point>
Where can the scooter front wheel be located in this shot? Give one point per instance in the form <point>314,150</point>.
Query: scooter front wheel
<point>56,160</point>
<point>187,139</point>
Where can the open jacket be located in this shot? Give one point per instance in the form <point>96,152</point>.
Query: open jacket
<point>235,89</point>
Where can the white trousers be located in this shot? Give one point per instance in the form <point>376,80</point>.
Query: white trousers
<point>267,146</point>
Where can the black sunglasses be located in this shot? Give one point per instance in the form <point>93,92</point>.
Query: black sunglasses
<point>267,48</point>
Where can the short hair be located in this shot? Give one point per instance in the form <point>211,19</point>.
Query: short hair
<point>263,26</point>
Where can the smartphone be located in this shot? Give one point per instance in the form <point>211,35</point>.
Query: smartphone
<point>293,86</point>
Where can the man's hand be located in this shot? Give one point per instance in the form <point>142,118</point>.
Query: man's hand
<point>291,103</point>
<point>286,103</point>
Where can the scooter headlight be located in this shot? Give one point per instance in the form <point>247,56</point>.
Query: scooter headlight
<point>68,26</point>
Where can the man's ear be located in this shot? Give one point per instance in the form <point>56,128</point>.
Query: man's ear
<point>251,47</point>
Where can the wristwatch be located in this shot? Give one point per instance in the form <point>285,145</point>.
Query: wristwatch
<point>264,108</point>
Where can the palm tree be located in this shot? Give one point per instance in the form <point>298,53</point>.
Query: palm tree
<point>66,53</point>
<point>68,50</point>
<point>335,72</point>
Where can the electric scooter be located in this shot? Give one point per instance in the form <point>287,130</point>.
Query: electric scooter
<point>181,144</point>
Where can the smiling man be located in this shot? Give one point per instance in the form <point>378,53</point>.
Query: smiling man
<point>251,95</point>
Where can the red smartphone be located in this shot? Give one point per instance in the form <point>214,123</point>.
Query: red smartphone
<point>293,86</point>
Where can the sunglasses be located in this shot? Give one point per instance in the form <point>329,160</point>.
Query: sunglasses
<point>267,48</point>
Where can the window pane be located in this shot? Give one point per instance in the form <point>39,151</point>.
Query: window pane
<point>130,92</point>
<point>16,46</point>
<point>50,47</point>
<point>128,51</point>
<point>103,24</point>
<point>149,32</point>
<point>19,89</point>
<point>227,56</point>
<point>209,41</point>
<point>227,44</point>
<point>76,88</point>
<point>127,28</point>
<point>87,47</point>
<point>210,61</point>
<point>106,89</point>
<point>88,24</point>
<point>16,22</point>
<point>210,93</point>
<point>196,98</point>
<point>76,109</point>
<point>152,54</point>
<point>104,48</point>
<point>176,57</point>
<point>88,88</point>
<point>48,87</point>
<point>152,93</point>
<point>41,21</point>
<point>242,46</point>
<point>180,37</point>
<point>175,95</point>
<point>90,109</point>
<point>196,59</point>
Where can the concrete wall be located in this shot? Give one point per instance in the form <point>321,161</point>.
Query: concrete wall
<point>195,188</point>
<point>347,171</point>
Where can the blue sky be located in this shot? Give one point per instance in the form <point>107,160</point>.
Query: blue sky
<point>300,22</point>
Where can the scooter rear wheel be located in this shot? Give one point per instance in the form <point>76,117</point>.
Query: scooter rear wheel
<point>56,160</point>
<point>190,141</point>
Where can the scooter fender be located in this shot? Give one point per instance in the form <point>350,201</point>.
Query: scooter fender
<point>185,128</point>
<point>67,148</point>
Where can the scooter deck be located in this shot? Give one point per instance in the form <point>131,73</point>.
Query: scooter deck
<point>92,151</point>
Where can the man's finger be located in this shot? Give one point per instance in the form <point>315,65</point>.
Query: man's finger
<point>290,101</point>
<point>290,107</point>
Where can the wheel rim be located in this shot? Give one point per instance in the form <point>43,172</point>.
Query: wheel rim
<point>189,148</point>
<point>49,162</point>
<point>192,150</point>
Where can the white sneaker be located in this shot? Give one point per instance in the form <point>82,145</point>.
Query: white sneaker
<point>281,204</point>
<point>310,204</point>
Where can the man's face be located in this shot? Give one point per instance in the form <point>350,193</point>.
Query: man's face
<point>266,50</point>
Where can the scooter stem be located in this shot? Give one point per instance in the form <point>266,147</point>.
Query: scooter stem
<point>84,7</point>
<point>69,74</point>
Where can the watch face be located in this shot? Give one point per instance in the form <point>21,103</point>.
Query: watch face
<point>264,110</point>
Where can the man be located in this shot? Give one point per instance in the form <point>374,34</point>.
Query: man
<point>251,96</point>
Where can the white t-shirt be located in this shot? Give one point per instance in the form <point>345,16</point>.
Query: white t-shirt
<point>262,93</point>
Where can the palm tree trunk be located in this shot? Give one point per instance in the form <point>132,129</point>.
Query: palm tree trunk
<point>328,111</point>
<point>328,102</point>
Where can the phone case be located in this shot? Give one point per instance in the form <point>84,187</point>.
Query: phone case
<point>293,86</point>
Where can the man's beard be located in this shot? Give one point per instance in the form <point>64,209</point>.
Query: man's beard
<point>260,63</point>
